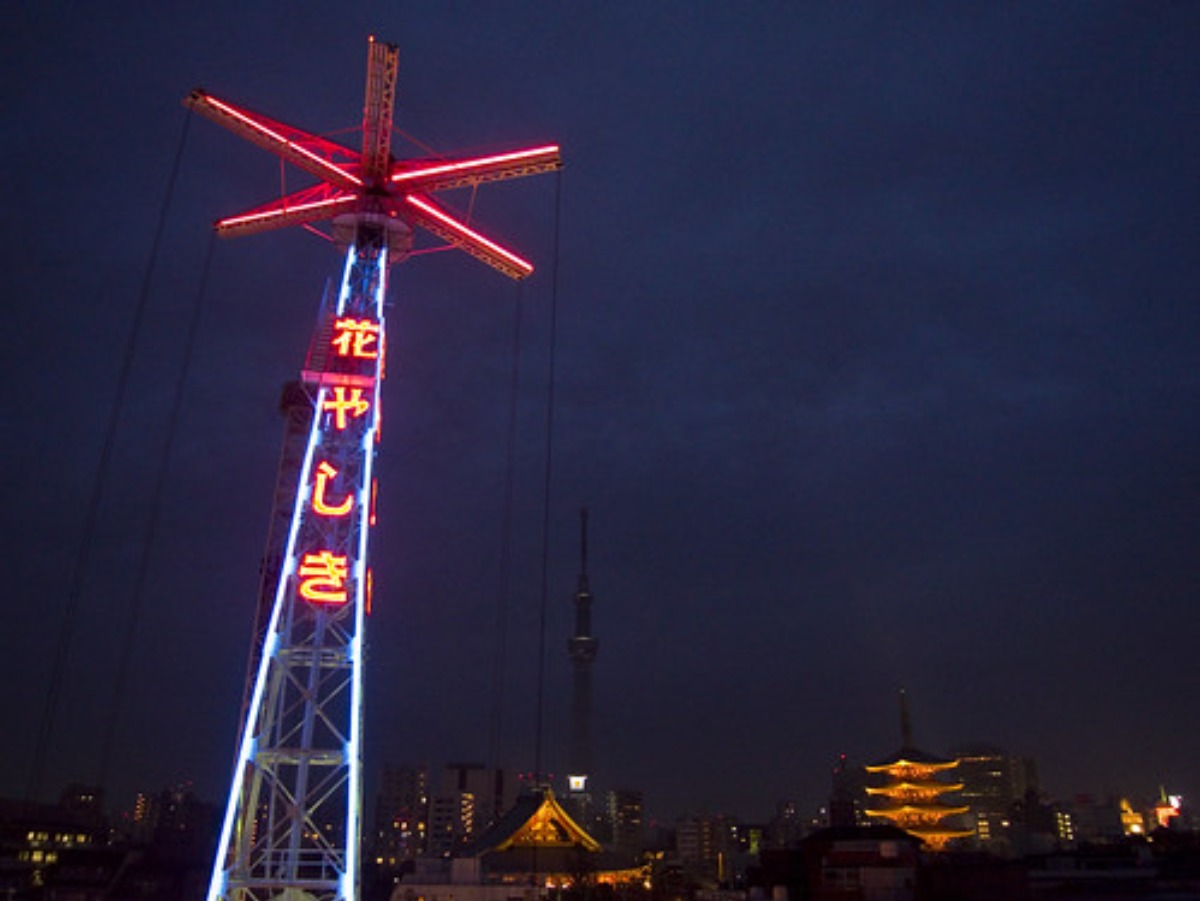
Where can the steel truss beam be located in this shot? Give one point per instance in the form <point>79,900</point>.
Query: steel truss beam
<point>292,820</point>
<point>371,180</point>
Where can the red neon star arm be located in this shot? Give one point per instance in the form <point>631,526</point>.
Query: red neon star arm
<point>430,175</point>
<point>437,220</point>
<point>309,205</point>
<point>326,160</point>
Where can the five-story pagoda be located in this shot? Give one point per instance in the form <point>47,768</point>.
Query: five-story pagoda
<point>913,792</point>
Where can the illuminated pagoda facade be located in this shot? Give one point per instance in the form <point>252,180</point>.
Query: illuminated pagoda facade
<point>912,795</point>
<point>292,824</point>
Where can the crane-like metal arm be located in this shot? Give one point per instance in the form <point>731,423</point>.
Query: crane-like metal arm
<point>433,218</point>
<point>428,175</point>
<point>326,160</point>
<point>372,184</point>
<point>314,204</point>
<point>382,66</point>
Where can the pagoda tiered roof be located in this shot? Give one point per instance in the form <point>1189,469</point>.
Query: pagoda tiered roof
<point>902,812</point>
<point>912,757</point>
<point>929,788</point>
<point>914,790</point>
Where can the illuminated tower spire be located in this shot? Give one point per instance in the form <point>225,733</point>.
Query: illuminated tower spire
<point>581,647</point>
<point>292,822</point>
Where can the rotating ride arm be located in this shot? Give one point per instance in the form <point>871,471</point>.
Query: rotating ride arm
<point>326,160</point>
<point>371,183</point>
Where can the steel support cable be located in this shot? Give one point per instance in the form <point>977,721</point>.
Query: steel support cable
<point>417,142</point>
<point>143,564</point>
<point>495,737</point>
<point>546,484</point>
<point>66,629</point>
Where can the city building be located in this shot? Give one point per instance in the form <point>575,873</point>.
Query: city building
<point>401,814</point>
<point>993,781</point>
<point>844,863</point>
<point>67,850</point>
<point>1038,827</point>
<point>1097,820</point>
<point>181,826</point>
<point>421,812</point>
<point>494,790</point>
<point>36,839</point>
<point>451,823</point>
<point>625,819</point>
<point>847,788</point>
<point>787,827</point>
<point>714,849</point>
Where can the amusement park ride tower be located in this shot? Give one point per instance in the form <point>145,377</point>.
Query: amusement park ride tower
<point>292,822</point>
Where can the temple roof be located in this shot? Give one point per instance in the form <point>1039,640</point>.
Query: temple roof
<point>536,821</point>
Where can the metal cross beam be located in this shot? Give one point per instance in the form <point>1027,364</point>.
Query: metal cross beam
<point>372,182</point>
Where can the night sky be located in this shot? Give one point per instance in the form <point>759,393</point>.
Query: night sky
<point>877,367</point>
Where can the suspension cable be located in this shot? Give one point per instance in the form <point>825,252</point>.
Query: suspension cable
<point>83,554</point>
<point>143,565</point>
<point>546,483</point>
<point>495,737</point>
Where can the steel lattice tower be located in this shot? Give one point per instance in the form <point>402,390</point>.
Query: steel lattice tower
<point>292,822</point>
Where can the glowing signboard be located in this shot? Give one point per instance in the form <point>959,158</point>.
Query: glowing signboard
<point>345,402</point>
<point>323,577</point>
<point>325,473</point>
<point>356,338</point>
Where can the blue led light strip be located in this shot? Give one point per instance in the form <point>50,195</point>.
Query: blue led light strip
<point>299,754</point>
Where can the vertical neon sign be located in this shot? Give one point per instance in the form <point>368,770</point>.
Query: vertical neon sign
<point>307,742</point>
